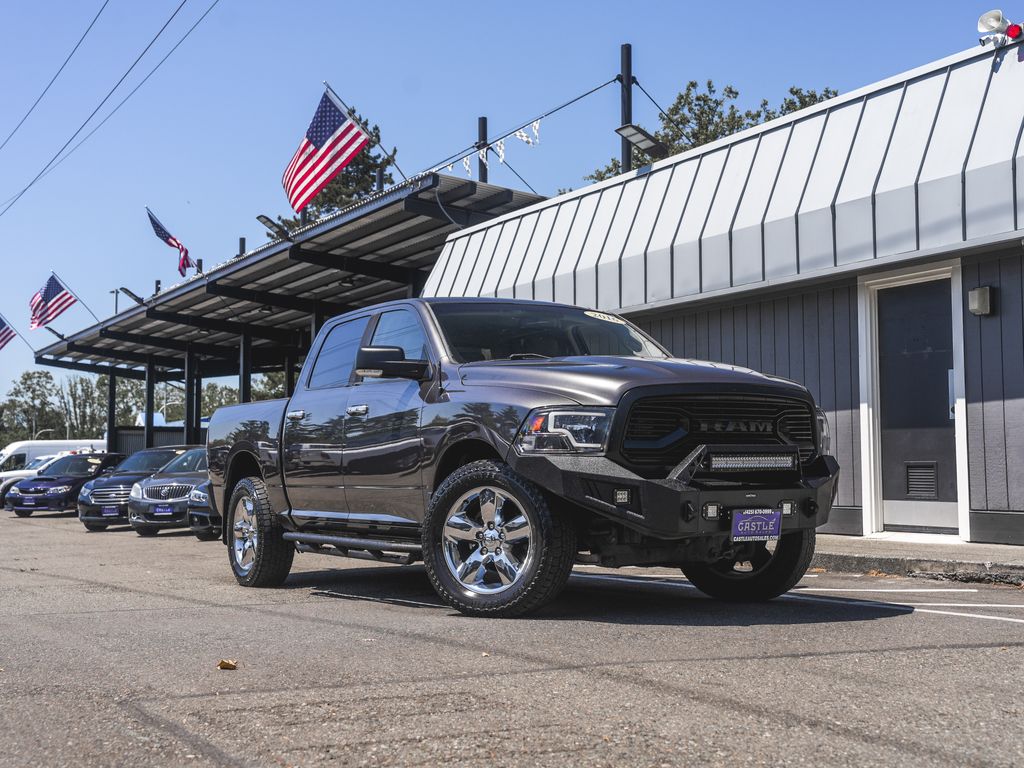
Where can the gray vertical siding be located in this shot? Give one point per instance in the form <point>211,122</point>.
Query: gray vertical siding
<point>994,363</point>
<point>810,337</point>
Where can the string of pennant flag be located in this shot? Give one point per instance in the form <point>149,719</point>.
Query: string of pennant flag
<point>498,147</point>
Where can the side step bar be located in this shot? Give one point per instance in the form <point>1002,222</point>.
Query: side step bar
<point>352,546</point>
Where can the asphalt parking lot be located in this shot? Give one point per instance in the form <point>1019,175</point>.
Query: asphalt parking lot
<point>109,647</point>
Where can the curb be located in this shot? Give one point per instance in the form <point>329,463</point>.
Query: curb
<point>952,570</point>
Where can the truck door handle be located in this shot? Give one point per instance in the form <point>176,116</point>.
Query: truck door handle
<point>296,415</point>
<point>358,410</point>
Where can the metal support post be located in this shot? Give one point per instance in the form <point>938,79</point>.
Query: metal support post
<point>245,368</point>
<point>111,413</point>
<point>626,76</point>
<point>481,143</point>
<point>147,429</point>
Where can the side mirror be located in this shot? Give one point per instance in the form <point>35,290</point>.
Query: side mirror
<point>389,363</point>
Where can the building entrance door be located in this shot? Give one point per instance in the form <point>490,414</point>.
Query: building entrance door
<point>918,434</point>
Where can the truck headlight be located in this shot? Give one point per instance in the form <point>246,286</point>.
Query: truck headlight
<point>565,430</point>
<point>136,492</point>
<point>199,498</point>
<point>824,434</point>
<point>83,494</point>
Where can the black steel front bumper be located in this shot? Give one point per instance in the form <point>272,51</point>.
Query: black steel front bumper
<point>671,509</point>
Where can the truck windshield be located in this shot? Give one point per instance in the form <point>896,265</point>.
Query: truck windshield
<point>507,331</point>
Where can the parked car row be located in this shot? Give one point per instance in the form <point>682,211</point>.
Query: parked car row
<point>152,490</point>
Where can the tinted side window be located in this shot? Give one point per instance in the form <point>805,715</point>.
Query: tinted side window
<point>401,328</point>
<point>337,356</point>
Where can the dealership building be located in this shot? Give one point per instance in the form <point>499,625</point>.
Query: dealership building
<point>869,247</point>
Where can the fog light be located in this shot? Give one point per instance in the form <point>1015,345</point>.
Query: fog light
<point>787,507</point>
<point>711,511</point>
<point>622,496</point>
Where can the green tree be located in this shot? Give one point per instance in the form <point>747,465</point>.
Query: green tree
<point>699,116</point>
<point>356,181</point>
<point>32,407</point>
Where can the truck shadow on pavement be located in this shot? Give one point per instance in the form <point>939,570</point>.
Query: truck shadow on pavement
<point>606,599</point>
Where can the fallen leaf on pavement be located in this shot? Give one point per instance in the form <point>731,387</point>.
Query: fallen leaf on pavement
<point>227,664</point>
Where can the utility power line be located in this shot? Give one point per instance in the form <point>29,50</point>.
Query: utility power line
<point>120,104</point>
<point>93,113</point>
<point>54,78</point>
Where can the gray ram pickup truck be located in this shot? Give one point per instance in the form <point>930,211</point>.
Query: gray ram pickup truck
<point>503,441</point>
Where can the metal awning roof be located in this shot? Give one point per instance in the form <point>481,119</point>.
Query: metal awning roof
<point>378,249</point>
<point>913,167</point>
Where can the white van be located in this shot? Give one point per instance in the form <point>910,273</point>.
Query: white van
<point>16,455</point>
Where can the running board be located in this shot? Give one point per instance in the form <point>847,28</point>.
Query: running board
<point>350,546</point>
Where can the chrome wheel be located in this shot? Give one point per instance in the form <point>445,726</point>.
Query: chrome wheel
<point>487,540</point>
<point>245,534</point>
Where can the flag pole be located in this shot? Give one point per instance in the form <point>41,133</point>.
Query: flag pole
<point>18,333</point>
<point>65,284</point>
<point>352,114</point>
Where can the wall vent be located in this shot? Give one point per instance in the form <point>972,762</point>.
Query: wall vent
<point>922,480</point>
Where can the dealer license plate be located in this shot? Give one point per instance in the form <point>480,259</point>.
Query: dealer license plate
<point>28,501</point>
<point>756,524</point>
<point>163,509</point>
<point>108,511</point>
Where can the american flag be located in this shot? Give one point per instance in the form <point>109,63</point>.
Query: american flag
<point>332,141</point>
<point>184,262</point>
<point>49,303</point>
<point>6,333</point>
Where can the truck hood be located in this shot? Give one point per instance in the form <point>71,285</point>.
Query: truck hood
<point>603,380</point>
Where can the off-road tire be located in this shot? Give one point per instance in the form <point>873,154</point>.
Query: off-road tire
<point>552,535</point>
<point>146,530</point>
<point>792,557</point>
<point>23,512</point>
<point>273,555</point>
<point>95,527</point>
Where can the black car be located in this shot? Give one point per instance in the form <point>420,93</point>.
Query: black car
<point>161,500</point>
<point>104,501</point>
<point>57,488</point>
<point>203,517</point>
<point>502,441</point>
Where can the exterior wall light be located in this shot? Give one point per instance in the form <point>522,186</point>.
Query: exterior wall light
<point>979,300</point>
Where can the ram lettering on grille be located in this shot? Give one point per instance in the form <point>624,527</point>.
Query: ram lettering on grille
<point>661,431</point>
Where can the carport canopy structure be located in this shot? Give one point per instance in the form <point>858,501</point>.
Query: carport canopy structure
<point>259,311</point>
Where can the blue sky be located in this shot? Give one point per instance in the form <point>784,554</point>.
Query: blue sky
<point>204,142</point>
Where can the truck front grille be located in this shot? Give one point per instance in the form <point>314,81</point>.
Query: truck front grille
<point>662,430</point>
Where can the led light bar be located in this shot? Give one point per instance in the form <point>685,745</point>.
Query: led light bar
<point>751,462</point>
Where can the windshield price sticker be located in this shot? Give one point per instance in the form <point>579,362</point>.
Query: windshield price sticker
<point>606,317</point>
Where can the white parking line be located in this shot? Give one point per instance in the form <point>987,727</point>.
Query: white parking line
<point>970,605</point>
<point>901,607</point>
<point>830,589</point>
<point>1007,619</point>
